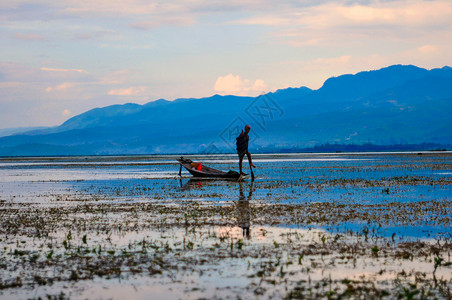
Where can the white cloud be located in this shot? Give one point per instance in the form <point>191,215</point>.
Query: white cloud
<point>119,7</point>
<point>336,13</point>
<point>338,22</point>
<point>118,77</point>
<point>268,20</point>
<point>61,87</point>
<point>398,12</point>
<point>313,72</point>
<point>235,85</point>
<point>148,25</point>
<point>9,84</point>
<point>428,49</point>
<point>131,91</point>
<point>29,36</point>
<point>66,112</point>
<point>62,70</point>
<point>341,60</point>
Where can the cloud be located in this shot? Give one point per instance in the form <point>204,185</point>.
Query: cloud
<point>148,25</point>
<point>374,12</point>
<point>28,10</point>
<point>62,70</point>
<point>268,20</point>
<point>313,72</point>
<point>131,91</point>
<point>398,12</point>
<point>428,49</point>
<point>95,34</point>
<point>29,36</point>
<point>341,60</point>
<point>118,77</point>
<point>9,84</point>
<point>235,85</point>
<point>140,13</point>
<point>119,7</point>
<point>84,38</point>
<point>61,87</point>
<point>335,22</point>
<point>41,95</point>
<point>297,23</point>
<point>66,112</point>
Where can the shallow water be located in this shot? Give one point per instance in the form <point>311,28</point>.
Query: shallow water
<point>329,202</point>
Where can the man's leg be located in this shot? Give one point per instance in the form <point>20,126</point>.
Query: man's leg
<point>240,163</point>
<point>250,160</point>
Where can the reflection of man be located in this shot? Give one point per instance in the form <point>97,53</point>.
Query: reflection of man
<point>242,147</point>
<point>243,211</point>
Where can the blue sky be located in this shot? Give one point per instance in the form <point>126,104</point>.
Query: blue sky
<point>61,58</point>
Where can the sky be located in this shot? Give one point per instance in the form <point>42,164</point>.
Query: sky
<point>61,58</point>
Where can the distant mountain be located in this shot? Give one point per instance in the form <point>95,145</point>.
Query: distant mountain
<point>17,130</point>
<point>394,105</point>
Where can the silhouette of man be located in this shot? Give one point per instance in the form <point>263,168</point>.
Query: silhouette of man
<point>242,148</point>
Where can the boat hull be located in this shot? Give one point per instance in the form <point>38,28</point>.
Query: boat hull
<point>207,172</point>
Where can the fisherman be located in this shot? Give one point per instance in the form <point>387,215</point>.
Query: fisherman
<point>242,147</point>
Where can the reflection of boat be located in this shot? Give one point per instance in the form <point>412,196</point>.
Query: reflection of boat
<point>192,184</point>
<point>198,170</point>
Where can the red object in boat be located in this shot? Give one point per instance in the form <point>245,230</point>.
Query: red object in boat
<point>199,167</point>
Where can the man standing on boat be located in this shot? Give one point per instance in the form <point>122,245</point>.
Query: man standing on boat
<point>242,147</point>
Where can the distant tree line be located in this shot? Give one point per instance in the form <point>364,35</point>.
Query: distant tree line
<point>368,147</point>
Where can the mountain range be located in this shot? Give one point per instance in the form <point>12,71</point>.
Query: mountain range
<point>393,105</point>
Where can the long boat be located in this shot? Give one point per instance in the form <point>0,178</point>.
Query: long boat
<point>199,170</point>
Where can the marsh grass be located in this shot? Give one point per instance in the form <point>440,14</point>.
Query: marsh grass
<point>312,237</point>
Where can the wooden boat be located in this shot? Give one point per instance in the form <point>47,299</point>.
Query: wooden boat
<point>204,171</point>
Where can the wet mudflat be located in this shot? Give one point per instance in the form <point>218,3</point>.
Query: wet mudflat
<point>310,226</point>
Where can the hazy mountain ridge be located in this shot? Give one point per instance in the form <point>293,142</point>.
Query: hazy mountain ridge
<point>18,130</point>
<point>397,104</point>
